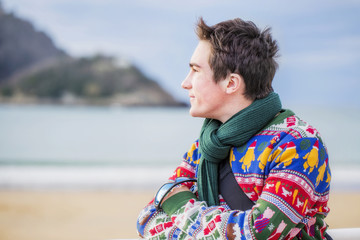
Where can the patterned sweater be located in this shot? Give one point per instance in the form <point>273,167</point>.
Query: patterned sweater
<point>284,169</point>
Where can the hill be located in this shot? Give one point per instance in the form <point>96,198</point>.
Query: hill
<point>34,70</point>
<point>91,80</point>
<point>21,45</point>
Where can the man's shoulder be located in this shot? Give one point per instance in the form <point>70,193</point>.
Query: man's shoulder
<point>292,125</point>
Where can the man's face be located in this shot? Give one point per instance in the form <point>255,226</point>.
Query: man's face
<point>206,96</point>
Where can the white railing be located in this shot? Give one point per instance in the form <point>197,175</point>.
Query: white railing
<point>345,233</point>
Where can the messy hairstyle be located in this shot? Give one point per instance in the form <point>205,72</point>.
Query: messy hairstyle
<point>241,47</point>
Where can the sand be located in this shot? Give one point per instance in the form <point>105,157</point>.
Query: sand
<point>102,215</point>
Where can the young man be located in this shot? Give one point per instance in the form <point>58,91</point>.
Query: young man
<point>276,159</point>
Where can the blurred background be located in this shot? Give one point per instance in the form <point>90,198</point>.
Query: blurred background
<point>93,118</point>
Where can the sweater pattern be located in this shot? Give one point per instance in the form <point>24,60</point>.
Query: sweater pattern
<point>284,169</point>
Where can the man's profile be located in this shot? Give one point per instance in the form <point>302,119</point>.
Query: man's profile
<point>277,161</point>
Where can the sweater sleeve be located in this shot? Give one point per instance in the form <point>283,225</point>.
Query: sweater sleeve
<point>292,202</point>
<point>151,222</point>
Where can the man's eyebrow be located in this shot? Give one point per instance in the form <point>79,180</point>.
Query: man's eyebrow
<point>194,65</point>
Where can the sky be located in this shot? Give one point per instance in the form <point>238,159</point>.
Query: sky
<point>319,40</point>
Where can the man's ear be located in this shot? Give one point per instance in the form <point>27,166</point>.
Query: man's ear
<point>235,83</point>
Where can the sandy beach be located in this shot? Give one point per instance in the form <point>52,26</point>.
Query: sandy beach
<point>101,215</point>
<point>69,215</point>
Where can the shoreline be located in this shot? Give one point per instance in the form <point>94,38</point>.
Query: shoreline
<point>96,214</point>
<point>122,177</point>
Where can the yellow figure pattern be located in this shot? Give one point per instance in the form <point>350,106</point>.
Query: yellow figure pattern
<point>232,156</point>
<point>288,155</point>
<point>328,179</point>
<point>276,153</point>
<point>265,155</point>
<point>321,174</point>
<point>312,158</point>
<point>190,154</point>
<point>248,157</point>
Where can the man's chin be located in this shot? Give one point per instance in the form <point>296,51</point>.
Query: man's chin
<point>194,113</point>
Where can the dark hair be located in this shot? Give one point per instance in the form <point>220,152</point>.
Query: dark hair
<point>241,47</point>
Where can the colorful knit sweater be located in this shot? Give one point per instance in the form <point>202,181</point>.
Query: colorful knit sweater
<point>284,169</point>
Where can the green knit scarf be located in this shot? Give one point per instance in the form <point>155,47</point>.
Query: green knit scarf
<point>216,140</point>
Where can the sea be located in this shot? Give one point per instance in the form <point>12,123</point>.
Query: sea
<point>57,147</point>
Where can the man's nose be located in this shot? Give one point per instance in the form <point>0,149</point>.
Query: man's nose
<point>186,84</point>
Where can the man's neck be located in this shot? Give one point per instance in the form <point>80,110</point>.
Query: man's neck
<point>233,106</point>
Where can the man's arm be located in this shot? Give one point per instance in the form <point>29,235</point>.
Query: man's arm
<point>151,222</point>
<point>293,199</point>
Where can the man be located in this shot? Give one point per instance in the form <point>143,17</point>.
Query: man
<point>278,160</point>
